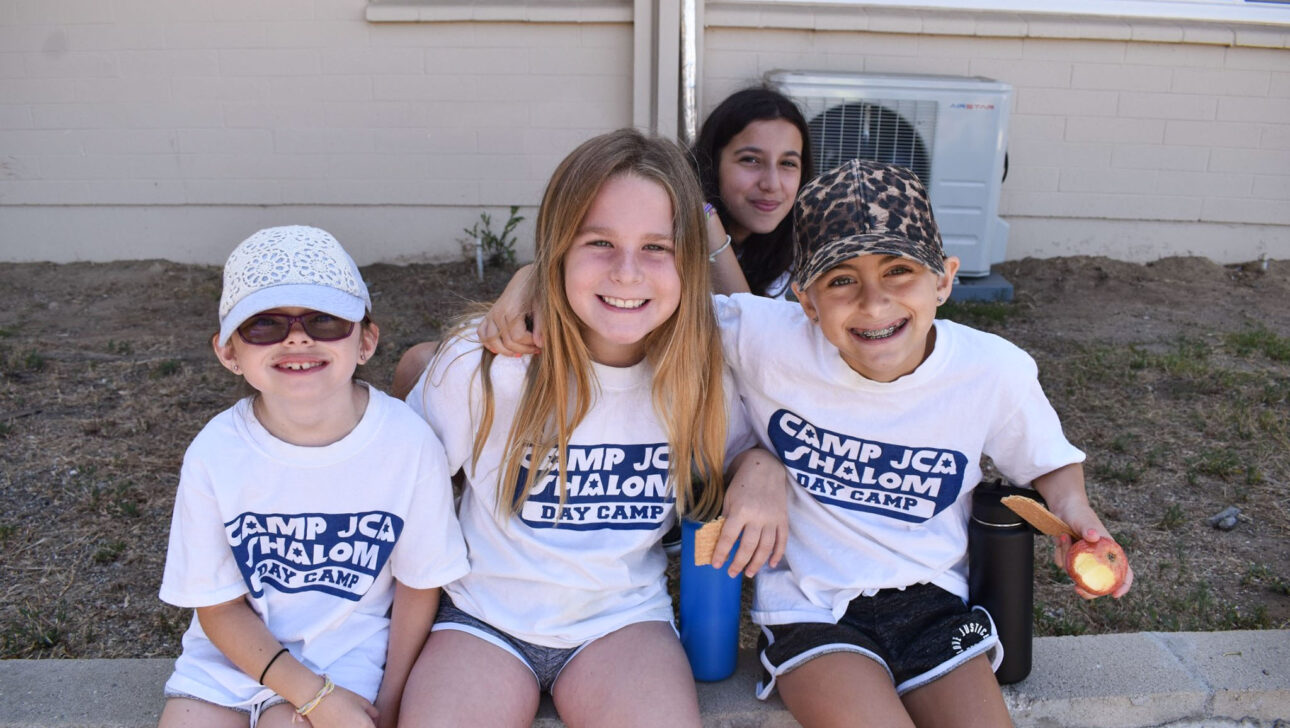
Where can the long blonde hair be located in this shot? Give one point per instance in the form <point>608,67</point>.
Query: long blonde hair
<point>684,352</point>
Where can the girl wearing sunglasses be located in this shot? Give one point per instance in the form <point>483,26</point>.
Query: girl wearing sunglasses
<point>313,525</point>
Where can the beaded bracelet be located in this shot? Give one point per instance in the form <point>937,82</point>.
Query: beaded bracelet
<point>712,257</point>
<point>323,692</point>
<point>272,660</point>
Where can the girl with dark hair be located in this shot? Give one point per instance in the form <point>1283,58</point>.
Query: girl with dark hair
<point>752,155</point>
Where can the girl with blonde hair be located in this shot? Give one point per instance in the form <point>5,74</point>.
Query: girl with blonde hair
<point>578,460</point>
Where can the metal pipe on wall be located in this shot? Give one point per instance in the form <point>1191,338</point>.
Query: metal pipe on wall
<point>689,70</point>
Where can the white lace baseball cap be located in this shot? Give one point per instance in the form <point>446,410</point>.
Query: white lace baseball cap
<point>293,265</point>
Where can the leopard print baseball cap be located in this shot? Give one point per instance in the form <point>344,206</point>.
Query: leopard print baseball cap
<point>863,207</point>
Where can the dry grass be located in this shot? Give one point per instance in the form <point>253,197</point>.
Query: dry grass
<point>1175,378</point>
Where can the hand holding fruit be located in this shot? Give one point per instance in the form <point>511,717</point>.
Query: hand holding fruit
<point>1096,563</point>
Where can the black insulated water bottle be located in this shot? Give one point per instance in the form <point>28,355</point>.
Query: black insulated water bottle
<point>1001,566</point>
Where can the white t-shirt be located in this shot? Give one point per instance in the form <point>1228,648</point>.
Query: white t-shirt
<point>882,472</point>
<point>314,537</point>
<point>601,566</point>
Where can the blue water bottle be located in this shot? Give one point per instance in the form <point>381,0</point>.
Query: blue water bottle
<point>710,606</point>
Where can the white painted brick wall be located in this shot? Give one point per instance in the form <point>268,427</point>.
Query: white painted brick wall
<point>146,115</point>
<point>1144,133</point>
<point>1120,77</point>
<point>1212,133</point>
<point>1114,129</point>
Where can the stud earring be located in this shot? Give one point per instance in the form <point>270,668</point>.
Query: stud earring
<point>940,299</point>
<point>236,369</point>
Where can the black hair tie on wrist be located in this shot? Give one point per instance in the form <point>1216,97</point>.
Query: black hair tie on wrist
<point>272,660</point>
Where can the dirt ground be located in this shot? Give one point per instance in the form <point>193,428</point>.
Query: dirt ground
<point>1173,376</point>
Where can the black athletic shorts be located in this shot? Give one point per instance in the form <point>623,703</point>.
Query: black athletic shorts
<point>917,634</point>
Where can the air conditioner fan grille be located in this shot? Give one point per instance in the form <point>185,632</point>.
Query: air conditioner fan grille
<point>895,131</point>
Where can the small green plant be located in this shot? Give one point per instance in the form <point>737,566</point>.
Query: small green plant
<point>1189,358</point>
<point>1053,621</point>
<point>1172,518</point>
<point>1259,339</point>
<point>1122,443</point>
<point>34,361</point>
<point>35,631</point>
<point>123,500</point>
<point>118,347</point>
<point>1262,575</point>
<point>1219,463</point>
<point>6,430</point>
<point>1123,472</point>
<point>497,248</point>
<point>7,531</point>
<point>166,368</point>
<point>109,553</point>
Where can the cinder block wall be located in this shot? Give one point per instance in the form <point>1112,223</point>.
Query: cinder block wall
<point>173,130</point>
<point>1137,140</point>
<point>151,129</point>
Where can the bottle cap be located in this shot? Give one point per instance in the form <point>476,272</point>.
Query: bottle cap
<point>987,508</point>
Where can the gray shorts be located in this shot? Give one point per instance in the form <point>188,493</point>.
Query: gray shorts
<point>252,712</point>
<point>545,663</point>
<point>917,634</point>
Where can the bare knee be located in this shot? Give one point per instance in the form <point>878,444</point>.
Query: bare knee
<point>190,713</point>
<point>966,697</point>
<point>460,679</point>
<point>646,656</point>
<point>842,689</point>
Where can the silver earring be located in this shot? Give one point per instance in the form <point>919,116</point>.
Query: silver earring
<point>237,369</point>
<point>940,299</point>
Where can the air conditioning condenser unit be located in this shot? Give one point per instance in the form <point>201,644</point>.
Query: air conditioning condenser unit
<point>952,131</point>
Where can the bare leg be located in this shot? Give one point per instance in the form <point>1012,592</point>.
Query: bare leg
<point>968,697</point>
<point>185,713</point>
<point>462,680</point>
<point>637,676</point>
<point>410,367</point>
<point>842,689</point>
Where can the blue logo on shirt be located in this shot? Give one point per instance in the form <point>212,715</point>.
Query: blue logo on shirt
<point>906,483</point>
<point>336,553</point>
<point>621,487</point>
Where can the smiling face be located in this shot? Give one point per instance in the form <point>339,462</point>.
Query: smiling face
<point>299,367</point>
<point>620,272</point>
<point>759,173</point>
<point>878,311</point>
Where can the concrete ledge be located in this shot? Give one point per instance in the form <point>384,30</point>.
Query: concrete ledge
<point>1144,680</point>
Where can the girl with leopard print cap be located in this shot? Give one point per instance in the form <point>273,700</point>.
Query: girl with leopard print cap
<point>881,414</point>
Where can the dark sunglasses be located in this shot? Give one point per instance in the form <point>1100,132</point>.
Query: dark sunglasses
<point>263,329</point>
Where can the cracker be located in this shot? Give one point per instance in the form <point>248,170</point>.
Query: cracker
<point>705,541</point>
<point>1038,516</point>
